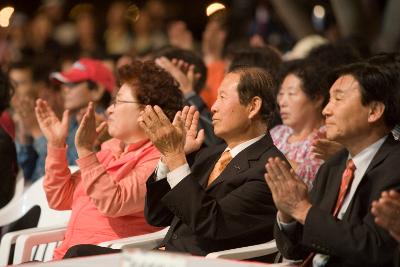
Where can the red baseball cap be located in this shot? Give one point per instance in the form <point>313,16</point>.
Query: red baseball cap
<point>87,69</point>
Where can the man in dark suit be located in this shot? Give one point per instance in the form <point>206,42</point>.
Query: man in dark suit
<point>209,207</point>
<point>215,198</point>
<point>334,225</point>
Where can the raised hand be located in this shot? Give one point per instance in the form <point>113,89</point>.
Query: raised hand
<point>169,138</point>
<point>53,129</point>
<point>194,138</point>
<point>387,212</point>
<point>323,148</point>
<point>289,192</point>
<point>87,133</point>
<point>182,72</point>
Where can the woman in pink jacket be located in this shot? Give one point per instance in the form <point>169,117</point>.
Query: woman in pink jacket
<point>107,195</point>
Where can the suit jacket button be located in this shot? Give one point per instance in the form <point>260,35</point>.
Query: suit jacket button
<point>174,236</point>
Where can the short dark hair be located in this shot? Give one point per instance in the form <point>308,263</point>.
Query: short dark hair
<point>377,83</point>
<point>312,76</point>
<point>6,92</point>
<point>189,57</point>
<point>265,57</point>
<point>154,86</point>
<point>257,82</point>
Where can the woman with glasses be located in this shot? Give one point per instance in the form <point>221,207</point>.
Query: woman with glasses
<point>107,195</point>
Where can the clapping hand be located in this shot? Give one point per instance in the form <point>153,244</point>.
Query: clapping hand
<point>323,148</point>
<point>289,192</point>
<point>182,72</point>
<point>387,212</point>
<point>53,129</point>
<point>194,138</point>
<point>87,133</point>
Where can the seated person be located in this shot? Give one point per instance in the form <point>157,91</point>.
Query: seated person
<point>301,97</point>
<point>334,225</point>
<point>217,198</point>
<point>8,154</point>
<point>107,195</point>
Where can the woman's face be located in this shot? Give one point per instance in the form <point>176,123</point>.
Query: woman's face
<point>123,114</point>
<point>295,106</point>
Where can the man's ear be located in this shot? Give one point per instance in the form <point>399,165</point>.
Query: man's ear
<point>254,107</point>
<point>97,93</point>
<point>376,110</point>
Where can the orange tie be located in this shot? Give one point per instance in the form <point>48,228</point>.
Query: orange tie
<point>347,179</point>
<point>220,166</point>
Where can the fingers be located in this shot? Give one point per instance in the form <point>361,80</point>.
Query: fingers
<point>65,118</point>
<point>185,112</point>
<point>191,117</point>
<point>200,137</point>
<point>161,115</point>
<point>101,127</point>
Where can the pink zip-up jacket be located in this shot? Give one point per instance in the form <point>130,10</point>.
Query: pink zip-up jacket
<point>106,196</point>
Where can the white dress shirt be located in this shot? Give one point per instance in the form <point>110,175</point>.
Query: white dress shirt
<point>177,175</point>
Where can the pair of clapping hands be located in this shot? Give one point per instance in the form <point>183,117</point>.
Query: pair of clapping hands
<point>289,192</point>
<point>56,131</point>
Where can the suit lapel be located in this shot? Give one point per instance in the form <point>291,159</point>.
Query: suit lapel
<point>382,153</point>
<point>241,162</point>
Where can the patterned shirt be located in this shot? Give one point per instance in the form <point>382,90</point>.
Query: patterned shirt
<point>299,152</point>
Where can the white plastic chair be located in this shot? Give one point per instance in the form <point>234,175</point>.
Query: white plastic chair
<point>49,218</point>
<point>29,239</point>
<point>147,241</point>
<point>248,252</point>
<point>152,240</point>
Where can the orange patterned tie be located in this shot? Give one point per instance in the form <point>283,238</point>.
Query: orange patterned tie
<point>347,179</point>
<point>220,166</point>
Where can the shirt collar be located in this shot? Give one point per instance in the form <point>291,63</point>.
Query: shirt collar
<point>364,158</point>
<point>239,148</point>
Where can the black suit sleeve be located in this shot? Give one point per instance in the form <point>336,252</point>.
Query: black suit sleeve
<point>155,212</point>
<point>244,209</point>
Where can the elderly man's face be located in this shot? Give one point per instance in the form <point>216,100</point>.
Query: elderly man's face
<point>230,118</point>
<point>346,117</point>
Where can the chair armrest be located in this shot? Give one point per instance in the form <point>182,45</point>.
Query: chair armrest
<point>25,242</point>
<point>147,241</point>
<point>246,252</point>
<point>10,238</point>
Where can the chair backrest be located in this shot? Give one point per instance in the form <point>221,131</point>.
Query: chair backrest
<point>34,196</point>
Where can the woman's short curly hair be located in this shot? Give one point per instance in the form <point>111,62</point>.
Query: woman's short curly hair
<point>154,86</point>
<point>6,92</point>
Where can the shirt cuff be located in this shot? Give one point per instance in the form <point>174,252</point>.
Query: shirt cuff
<point>286,227</point>
<point>162,170</point>
<point>178,175</point>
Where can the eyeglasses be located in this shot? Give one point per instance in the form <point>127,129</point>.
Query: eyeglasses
<point>116,102</point>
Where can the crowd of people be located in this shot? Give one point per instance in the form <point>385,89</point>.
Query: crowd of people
<point>231,145</point>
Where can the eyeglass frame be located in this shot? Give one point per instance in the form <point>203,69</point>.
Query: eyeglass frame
<point>114,102</point>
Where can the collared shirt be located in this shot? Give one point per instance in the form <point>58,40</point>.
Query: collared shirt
<point>177,175</point>
<point>106,196</point>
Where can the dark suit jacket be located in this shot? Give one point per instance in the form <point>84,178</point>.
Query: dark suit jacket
<point>356,240</point>
<point>235,210</point>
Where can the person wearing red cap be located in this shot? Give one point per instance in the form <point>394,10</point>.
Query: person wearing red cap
<point>88,80</point>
